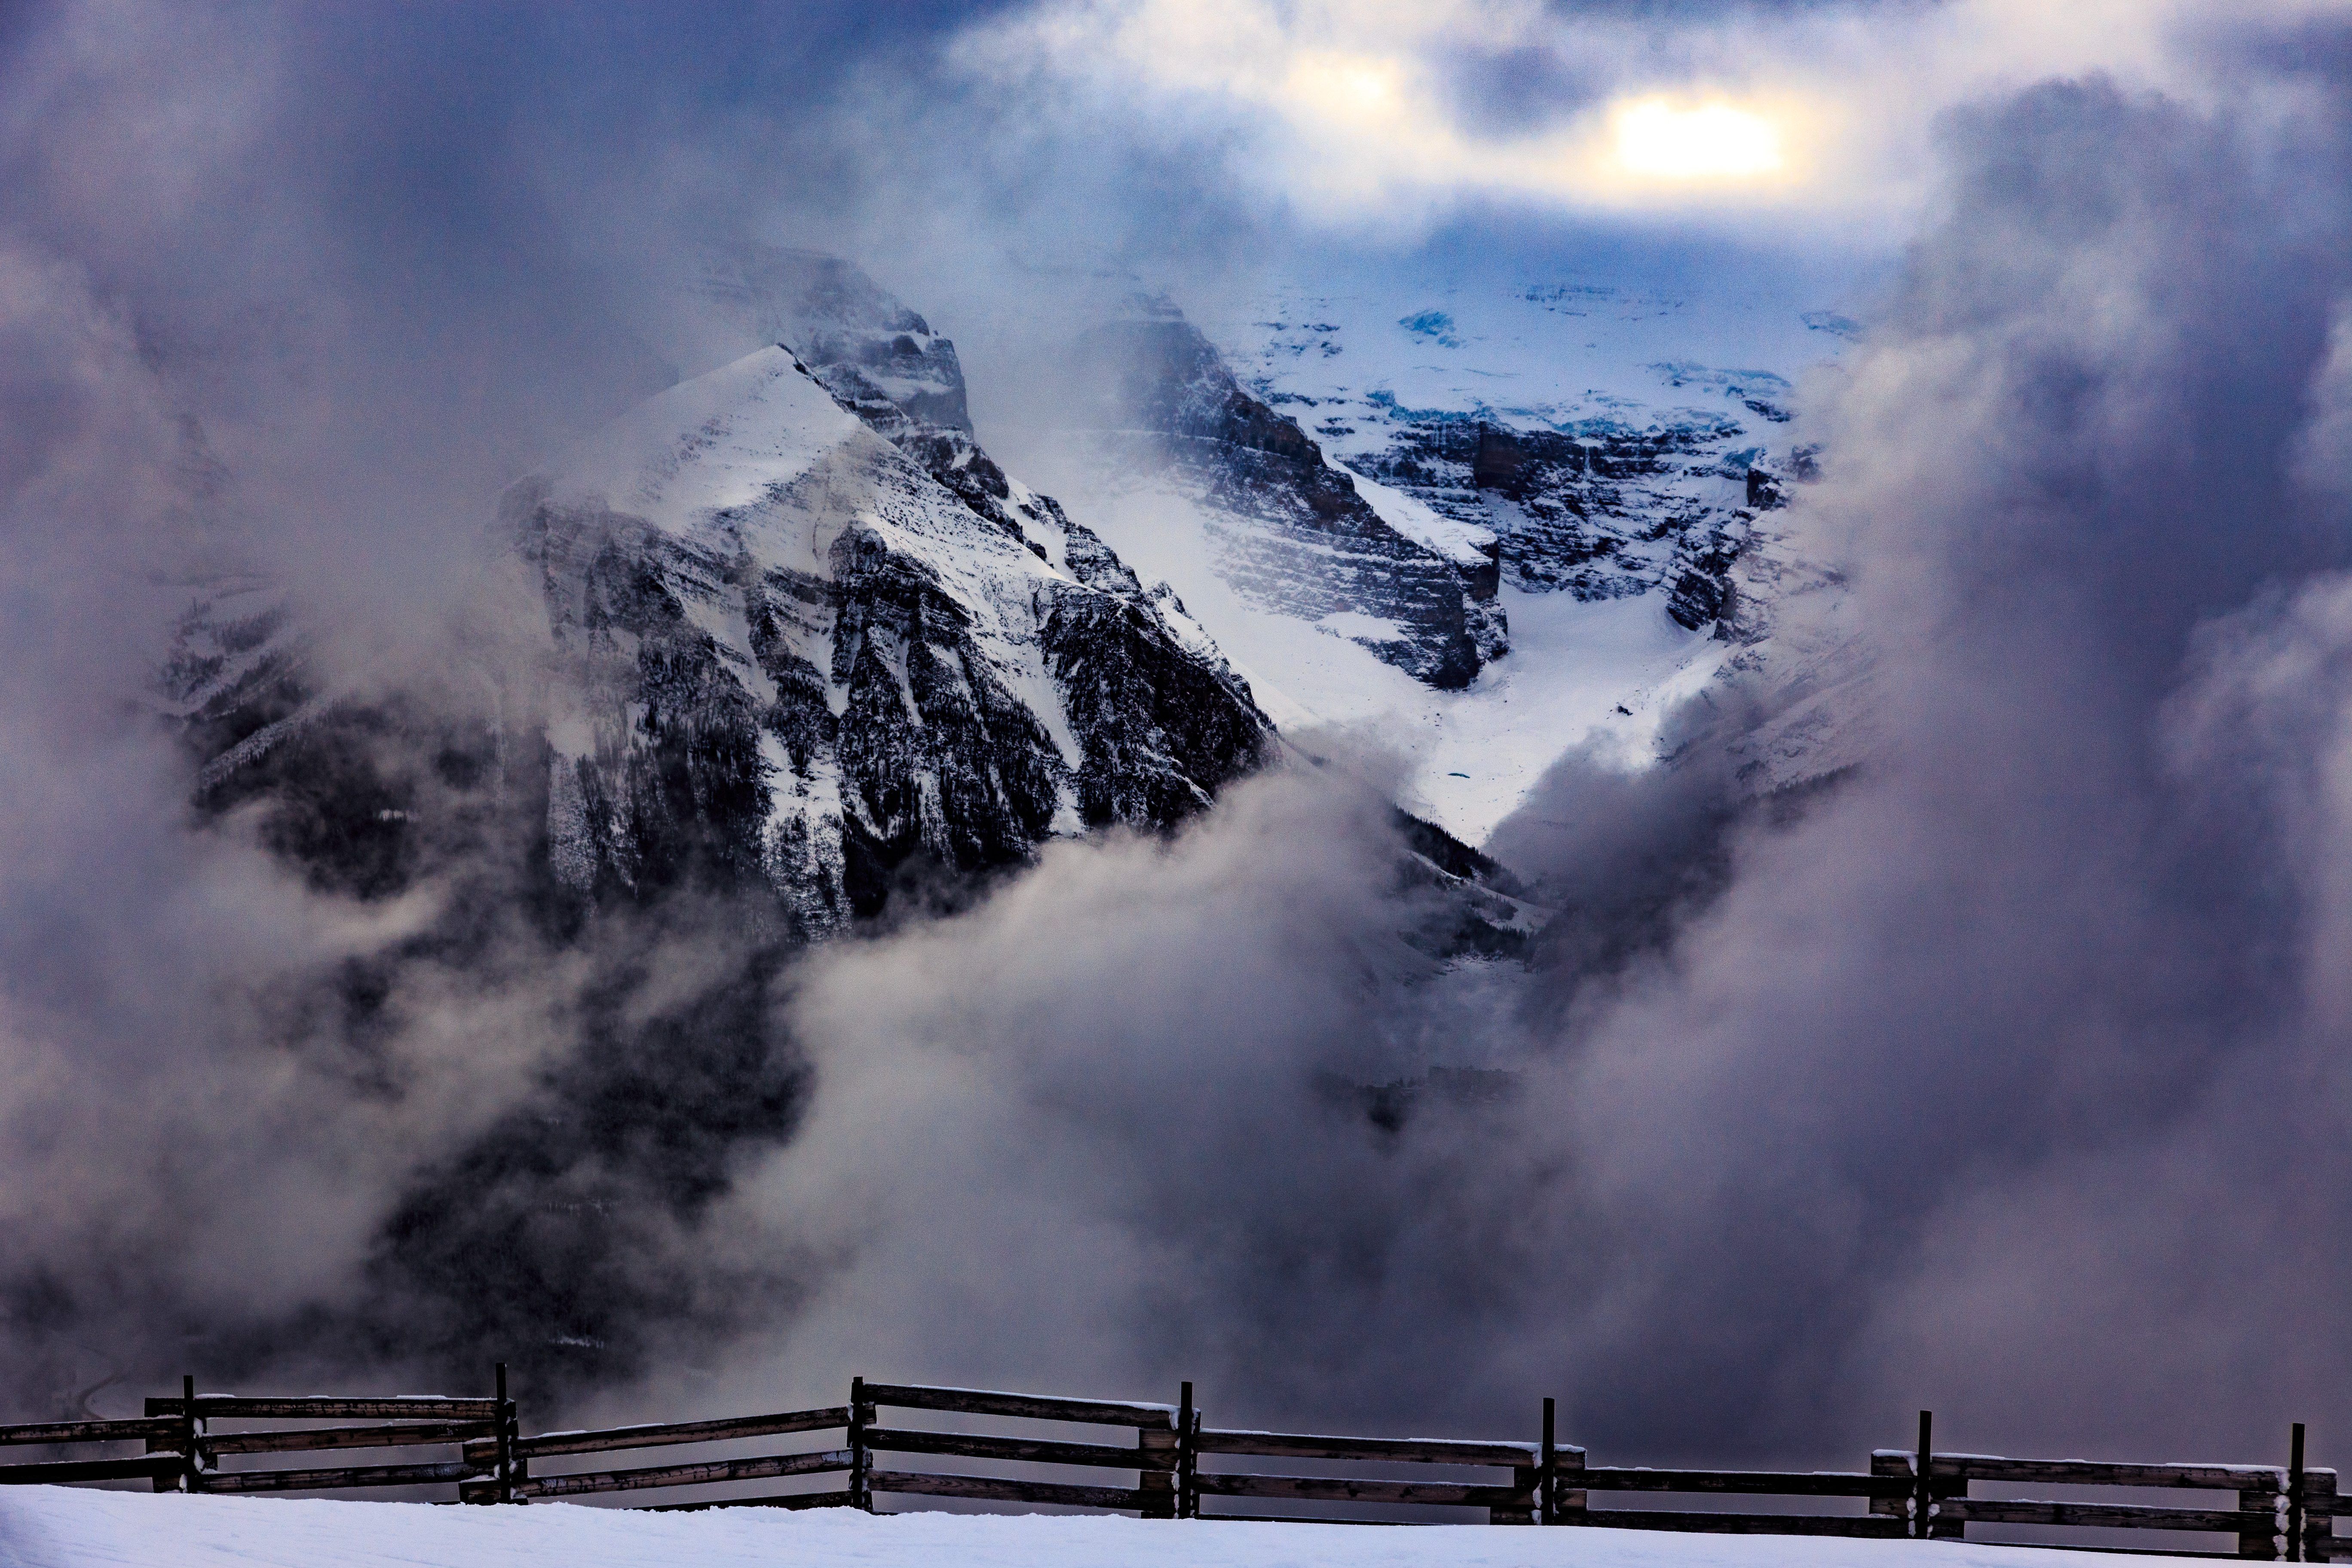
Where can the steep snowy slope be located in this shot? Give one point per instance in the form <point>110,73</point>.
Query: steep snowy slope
<point>1287,532</point>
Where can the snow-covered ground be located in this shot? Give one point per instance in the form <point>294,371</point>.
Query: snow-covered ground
<point>60,1527</point>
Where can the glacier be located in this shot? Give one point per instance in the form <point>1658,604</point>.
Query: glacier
<point>1610,504</point>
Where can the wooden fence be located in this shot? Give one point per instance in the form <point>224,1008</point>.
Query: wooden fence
<point>2267,1508</point>
<point>1163,1461</point>
<point>185,1441</point>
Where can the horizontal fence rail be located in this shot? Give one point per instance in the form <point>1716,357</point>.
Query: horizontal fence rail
<point>317,1438</point>
<point>996,1488</point>
<point>619,1439</point>
<point>1024,1450</point>
<point>158,1468</point>
<point>763,1468</point>
<point>1021,1406</point>
<point>1729,1523</point>
<point>1392,1450</point>
<point>221,1406</point>
<point>1788,1483</point>
<point>1163,1461</point>
<point>334,1479</point>
<point>89,1431</point>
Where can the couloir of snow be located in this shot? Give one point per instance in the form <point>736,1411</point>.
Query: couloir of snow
<point>62,1527</point>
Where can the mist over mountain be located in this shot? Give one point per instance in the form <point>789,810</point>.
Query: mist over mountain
<point>564,805</point>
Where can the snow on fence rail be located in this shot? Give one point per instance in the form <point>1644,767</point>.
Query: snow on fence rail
<point>1177,1465</point>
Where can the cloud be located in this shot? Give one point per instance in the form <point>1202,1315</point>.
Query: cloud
<point>1381,119</point>
<point>288,296</point>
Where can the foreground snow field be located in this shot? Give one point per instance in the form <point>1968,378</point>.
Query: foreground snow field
<point>59,1527</point>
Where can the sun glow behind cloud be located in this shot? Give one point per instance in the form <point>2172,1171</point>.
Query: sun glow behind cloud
<point>1346,88</point>
<point>1654,139</point>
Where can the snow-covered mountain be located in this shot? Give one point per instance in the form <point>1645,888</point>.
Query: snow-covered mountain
<point>783,641</point>
<point>800,627</point>
<point>1601,466</point>
<point>782,629</point>
<point>1571,419</point>
<point>798,630</point>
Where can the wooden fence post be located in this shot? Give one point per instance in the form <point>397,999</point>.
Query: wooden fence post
<point>1922,1494</point>
<point>183,1444</point>
<point>1188,1424</point>
<point>1192,1471</point>
<point>188,1432</point>
<point>1544,1515</point>
<point>509,1429</point>
<point>1525,1504</point>
<point>860,1461</point>
<point>2294,1508</point>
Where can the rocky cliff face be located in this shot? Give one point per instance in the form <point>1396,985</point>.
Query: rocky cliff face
<point>796,654</point>
<point>1601,513</point>
<point>1289,532</point>
<point>1602,497</point>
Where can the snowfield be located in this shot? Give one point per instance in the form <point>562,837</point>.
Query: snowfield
<point>62,1527</point>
